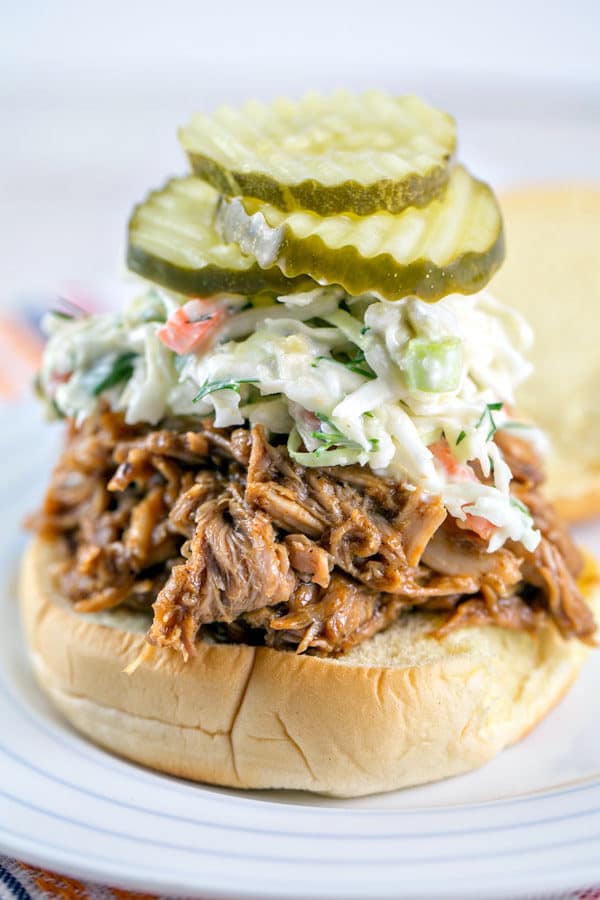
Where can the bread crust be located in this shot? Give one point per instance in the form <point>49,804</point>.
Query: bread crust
<point>401,709</point>
<point>580,507</point>
<point>551,275</point>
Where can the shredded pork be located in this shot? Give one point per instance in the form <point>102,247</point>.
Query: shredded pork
<point>220,530</point>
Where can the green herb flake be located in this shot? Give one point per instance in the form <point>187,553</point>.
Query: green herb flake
<point>209,387</point>
<point>520,506</point>
<point>121,370</point>
<point>58,413</point>
<point>62,315</point>
<point>489,408</point>
<point>461,437</point>
<point>333,438</point>
<point>359,364</point>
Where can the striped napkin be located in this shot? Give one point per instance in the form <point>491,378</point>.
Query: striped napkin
<point>19,881</point>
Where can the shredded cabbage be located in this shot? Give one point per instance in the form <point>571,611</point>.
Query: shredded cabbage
<point>348,380</point>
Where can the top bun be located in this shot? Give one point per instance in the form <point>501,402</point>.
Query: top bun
<point>551,275</point>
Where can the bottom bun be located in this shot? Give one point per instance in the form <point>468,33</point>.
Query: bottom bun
<point>400,709</point>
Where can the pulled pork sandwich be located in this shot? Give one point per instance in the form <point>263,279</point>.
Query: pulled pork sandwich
<point>297,537</point>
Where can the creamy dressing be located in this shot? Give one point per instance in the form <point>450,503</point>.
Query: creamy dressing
<point>349,380</point>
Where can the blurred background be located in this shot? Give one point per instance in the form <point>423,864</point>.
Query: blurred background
<point>91,95</point>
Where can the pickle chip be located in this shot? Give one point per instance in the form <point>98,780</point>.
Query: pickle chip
<point>172,241</point>
<point>342,153</point>
<point>453,245</point>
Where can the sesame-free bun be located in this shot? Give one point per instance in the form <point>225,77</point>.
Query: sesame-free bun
<point>400,709</point>
<point>552,275</point>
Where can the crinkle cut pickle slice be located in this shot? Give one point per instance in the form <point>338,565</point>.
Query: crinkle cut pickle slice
<point>453,245</point>
<point>341,153</point>
<point>172,241</point>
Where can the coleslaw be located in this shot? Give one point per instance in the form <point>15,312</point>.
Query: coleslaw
<point>348,380</point>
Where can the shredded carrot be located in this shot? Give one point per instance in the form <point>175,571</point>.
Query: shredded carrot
<point>183,336</point>
<point>462,472</point>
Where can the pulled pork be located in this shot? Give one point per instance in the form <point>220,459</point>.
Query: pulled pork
<point>220,530</point>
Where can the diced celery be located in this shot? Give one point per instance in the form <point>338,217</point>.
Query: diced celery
<point>433,366</point>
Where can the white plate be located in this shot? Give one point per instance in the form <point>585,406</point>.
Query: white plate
<point>528,822</point>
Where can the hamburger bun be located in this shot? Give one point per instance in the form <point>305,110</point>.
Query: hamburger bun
<point>552,276</point>
<point>400,709</point>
